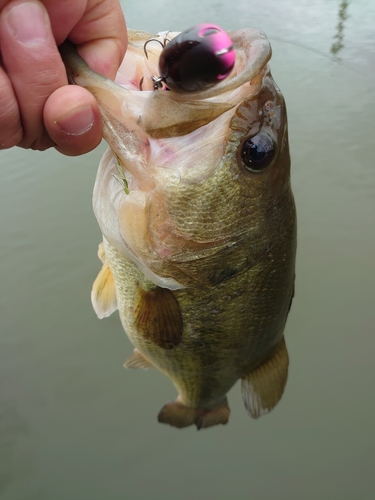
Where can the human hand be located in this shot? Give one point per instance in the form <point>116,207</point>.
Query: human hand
<point>37,107</point>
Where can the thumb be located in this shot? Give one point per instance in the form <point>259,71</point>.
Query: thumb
<point>72,120</point>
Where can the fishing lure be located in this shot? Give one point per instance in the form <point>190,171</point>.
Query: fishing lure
<point>194,60</point>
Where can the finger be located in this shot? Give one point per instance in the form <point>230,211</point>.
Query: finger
<point>64,15</point>
<point>101,36</point>
<point>72,120</point>
<point>10,121</point>
<point>33,65</point>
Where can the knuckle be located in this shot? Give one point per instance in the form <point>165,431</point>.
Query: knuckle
<point>39,142</point>
<point>42,143</point>
<point>11,131</point>
<point>9,140</point>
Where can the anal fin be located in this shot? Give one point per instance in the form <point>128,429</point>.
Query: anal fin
<point>263,387</point>
<point>138,360</point>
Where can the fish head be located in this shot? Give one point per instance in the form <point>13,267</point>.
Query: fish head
<point>192,178</point>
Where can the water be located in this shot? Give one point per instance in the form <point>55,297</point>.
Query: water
<point>75,425</point>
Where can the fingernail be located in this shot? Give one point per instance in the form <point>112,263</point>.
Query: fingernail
<point>77,122</point>
<point>29,23</point>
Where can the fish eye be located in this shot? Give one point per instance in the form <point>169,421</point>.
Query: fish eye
<point>258,152</point>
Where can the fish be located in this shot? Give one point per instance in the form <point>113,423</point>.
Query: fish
<point>193,198</point>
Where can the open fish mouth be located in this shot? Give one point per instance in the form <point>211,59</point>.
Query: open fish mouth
<point>183,113</point>
<point>135,74</point>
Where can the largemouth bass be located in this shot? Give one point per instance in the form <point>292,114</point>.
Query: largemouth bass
<point>194,202</point>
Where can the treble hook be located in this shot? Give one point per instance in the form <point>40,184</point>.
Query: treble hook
<point>162,43</point>
<point>157,80</point>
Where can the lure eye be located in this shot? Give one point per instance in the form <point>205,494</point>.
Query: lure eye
<point>197,59</point>
<point>258,152</point>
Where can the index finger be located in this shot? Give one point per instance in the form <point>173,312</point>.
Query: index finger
<point>100,33</point>
<point>97,26</point>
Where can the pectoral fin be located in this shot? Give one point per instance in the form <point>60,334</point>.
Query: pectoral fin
<point>262,388</point>
<point>138,360</point>
<point>157,317</point>
<point>103,293</point>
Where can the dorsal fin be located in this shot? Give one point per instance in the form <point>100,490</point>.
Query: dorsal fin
<point>157,317</point>
<point>263,387</point>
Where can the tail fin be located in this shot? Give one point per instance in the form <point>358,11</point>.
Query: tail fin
<point>179,415</point>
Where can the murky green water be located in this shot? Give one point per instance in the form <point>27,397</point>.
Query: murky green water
<point>75,425</point>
